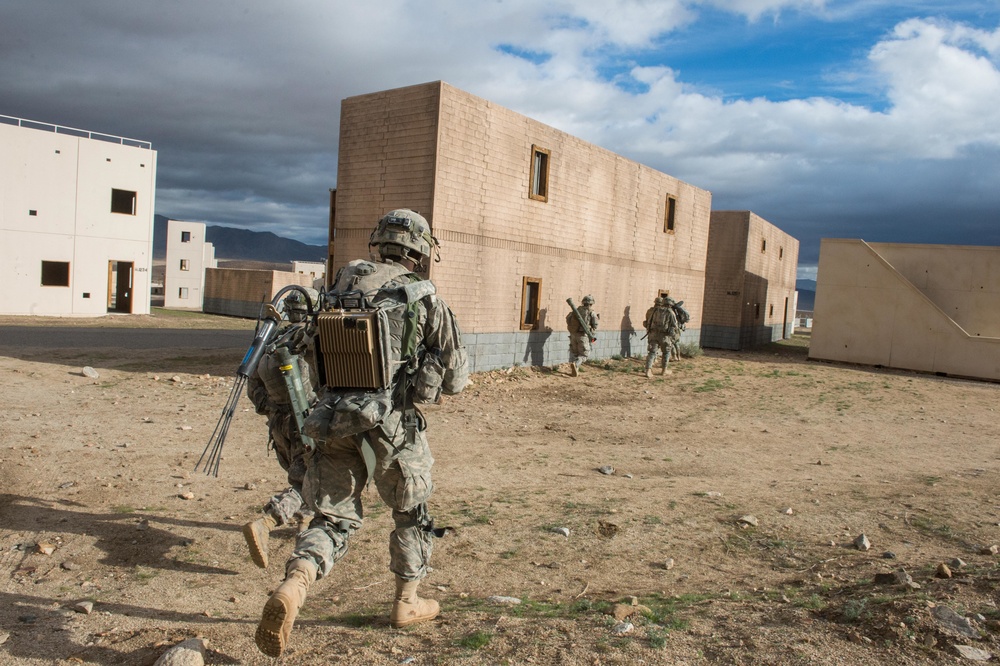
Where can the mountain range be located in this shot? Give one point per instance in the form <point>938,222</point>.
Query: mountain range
<point>242,244</point>
<point>807,294</point>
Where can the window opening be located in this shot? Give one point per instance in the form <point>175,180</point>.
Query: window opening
<point>185,236</point>
<point>123,201</point>
<point>669,215</point>
<point>55,273</point>
<point>182,292</point>
<point>539,174</point>
<point>763,245</point>
<point>185,264</point>
<point>531,296</point>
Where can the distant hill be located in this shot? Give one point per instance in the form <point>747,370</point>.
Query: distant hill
<point>807,294</point>
<point>243,244</point>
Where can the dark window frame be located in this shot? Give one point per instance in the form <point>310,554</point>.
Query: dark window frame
<point>123,202</point>
<point>55,273</point>
<point>670,215</point>
<point>531,298</point>
<point>185,236</point>
<point>538,179</point>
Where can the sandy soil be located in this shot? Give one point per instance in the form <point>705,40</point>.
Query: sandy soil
<point>95,470</point>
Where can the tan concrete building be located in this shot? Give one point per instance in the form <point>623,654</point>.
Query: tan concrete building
<point>240,292</point>
<point>929,308</point>
<point>527,216</point>
<point>750,282</point>
<point>188,256</point>
<point>76,221</point>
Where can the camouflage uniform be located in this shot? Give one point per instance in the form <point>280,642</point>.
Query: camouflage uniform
<point>378,431</point>
<point>661,326</point>
<point>268,392</point>
<point>336,473</point>
<point>579,342</point>
<point>675,337</point>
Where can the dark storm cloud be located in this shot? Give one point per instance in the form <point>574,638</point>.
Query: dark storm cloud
<point>242,99</point>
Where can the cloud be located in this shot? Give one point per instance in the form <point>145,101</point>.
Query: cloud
<point>242,100</point>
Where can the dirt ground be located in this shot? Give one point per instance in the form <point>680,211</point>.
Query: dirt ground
<point>724,535</point>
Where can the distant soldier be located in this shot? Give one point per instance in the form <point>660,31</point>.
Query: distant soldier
<point>580,338</point>
<point>269,394</point>
<point>683,317</point>
<point>661,327</point>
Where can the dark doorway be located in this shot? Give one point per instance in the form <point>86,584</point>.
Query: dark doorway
<point>120,286</point>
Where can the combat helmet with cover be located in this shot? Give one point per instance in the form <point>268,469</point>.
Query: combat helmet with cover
<point>588,300</point>
<point>403,233</point>
<point>297,304</point>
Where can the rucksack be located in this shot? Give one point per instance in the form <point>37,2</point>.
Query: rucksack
<point>683,316</point>
<point>366,348</point>
<point>661,318</point>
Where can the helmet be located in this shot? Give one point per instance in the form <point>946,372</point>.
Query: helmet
<point>669,301</point>
<point>403,233</point>
<point>296,305</point>
<point>658,301</point>
<point>588,300</point>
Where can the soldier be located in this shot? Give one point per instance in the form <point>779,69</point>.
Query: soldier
<point>268,392</point>
<point>579,340</point>
<point>661,325</point>
<point>377,435</point>
<point>683,317</point>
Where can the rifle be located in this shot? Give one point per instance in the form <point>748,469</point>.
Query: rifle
<point>583,323</point>
<point>267,324</point>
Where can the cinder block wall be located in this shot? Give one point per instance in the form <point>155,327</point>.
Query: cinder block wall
<point>240,292</point>
<point>750,288</point>
<point>388,147</point>
<point>601,231</point>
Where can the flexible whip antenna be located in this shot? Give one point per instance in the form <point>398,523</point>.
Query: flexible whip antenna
<point>267,324</point>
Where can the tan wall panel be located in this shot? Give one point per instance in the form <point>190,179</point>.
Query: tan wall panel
<point>868,312</point>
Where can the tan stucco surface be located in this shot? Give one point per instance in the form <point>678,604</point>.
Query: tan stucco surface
<point>929,308</point>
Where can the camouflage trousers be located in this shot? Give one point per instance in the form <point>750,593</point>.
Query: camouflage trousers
<point>335,478</point>
<point>656,344</point>
<point>291,456</point>
<point>579,348</point>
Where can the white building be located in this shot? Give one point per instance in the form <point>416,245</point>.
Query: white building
<point>314,269</point>
<point>76,221</point>
<point>188,255</point>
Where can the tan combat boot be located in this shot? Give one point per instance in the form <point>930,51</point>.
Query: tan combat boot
<point>649,373</point>
<point>256,534</point>
<point>573,370</point>
<point>282,608</point>
<point>408,608</point>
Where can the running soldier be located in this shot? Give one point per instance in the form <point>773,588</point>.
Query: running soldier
<point>268,392</point>
<point>580,339</point>
<point>661,326</point>
<point>376,435</point>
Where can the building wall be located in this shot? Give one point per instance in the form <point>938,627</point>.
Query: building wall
<point>55,206</point>
<point>750,289</point>
<point>386,160</point>
<point>184,288</point>
<point>929,308</point>
<point>241,292</point>
<point>601,231</point>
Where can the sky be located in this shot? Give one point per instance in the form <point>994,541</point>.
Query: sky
<point>828,118</point>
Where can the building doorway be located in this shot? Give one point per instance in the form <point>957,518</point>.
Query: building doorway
<point>120,286</point>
